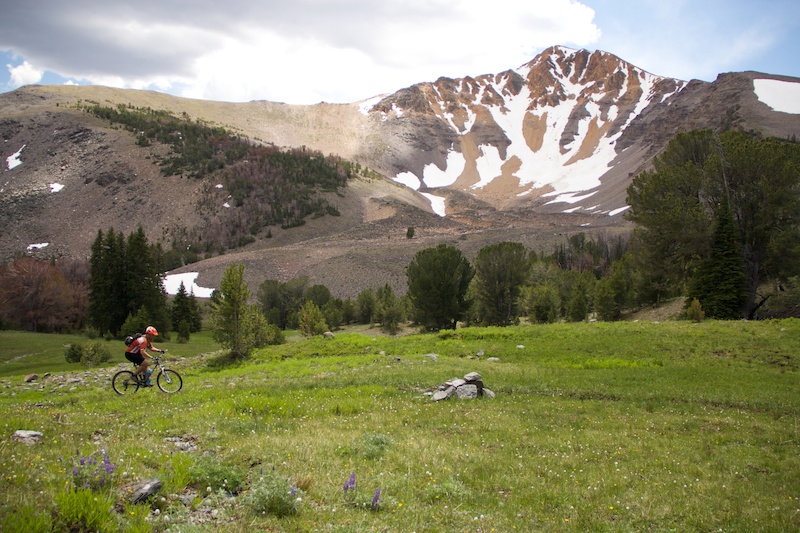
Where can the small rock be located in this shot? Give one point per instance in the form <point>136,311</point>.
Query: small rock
<point>443,394</point>
<point>328,335</point>
<point>27,437</point>
<point>432,356</point>
<point>472,376</point>
<point>145,490</point>
<point>467,392</point>
<point>31,377</point>
<point>492,358</point>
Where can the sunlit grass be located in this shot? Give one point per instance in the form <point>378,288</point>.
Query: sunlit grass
<point>595,427</point>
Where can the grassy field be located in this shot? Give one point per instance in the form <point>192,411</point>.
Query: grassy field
<point>634,426</point>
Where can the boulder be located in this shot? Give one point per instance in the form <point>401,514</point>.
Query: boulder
<point>27,437</point>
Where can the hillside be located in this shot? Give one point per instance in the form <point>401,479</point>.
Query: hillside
<point>532,154</point>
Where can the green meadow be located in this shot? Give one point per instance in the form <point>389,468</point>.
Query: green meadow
<point>629,426</point>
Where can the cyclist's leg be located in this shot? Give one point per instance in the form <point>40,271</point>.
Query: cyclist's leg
<point>138,360</point>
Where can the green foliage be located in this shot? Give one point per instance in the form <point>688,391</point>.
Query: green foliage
<point>675,207</point>
<point>73,353</point>
<point>365,306</point>
<point>185,309</point>
<point>125,278</point>
<point>438,279</point>
<point>91,354</point>
<point>273,495</point>
<point>211,474</point>
<point>269,186</point>
<point>677,426</point>
<point>719,281</point>
<point>389,310</point>
<point>500,271</point>
<point>85,510</point>
<point>236,325</point>
<point>26,519</point>
<point>311,320</point>
<point>135,323</point>
<point>695,311</point>
<point>184,331</point>
<point>410,232</point>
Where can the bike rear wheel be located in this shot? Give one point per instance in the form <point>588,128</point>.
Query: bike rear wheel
<point>125,382</point>
<point>169,381</point>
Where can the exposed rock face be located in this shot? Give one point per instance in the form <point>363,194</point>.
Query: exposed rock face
<point>526,155</point>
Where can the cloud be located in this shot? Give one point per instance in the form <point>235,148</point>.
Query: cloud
<point>24,74</point>
<point>302,51</point>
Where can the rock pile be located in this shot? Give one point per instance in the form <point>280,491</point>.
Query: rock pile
<point>468,387</point>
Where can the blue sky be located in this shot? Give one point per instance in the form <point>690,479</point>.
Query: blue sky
<point>307,51</point>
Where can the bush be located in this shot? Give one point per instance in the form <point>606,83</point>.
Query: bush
<point>273,495</point>
<point>95,354</point>
<point>90,355</point>
<point>209,474</point>
<point>695,311</point>
<point>73,353</point>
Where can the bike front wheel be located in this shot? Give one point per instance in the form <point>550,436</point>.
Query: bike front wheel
<point>125,382</point>
<point>169,381</point>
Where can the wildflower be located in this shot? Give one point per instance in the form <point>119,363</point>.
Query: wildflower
<point>350,484</point>
<point>376,499</point>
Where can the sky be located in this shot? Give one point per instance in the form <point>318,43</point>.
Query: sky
<point>343,51</point>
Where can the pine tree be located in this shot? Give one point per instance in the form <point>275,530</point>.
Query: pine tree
<point>438,279</point>
<point>719,282</point>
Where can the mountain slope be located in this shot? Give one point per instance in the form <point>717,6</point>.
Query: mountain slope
<point>530,154</point>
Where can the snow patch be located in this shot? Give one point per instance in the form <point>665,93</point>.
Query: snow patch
<point>39,246</point>
<point>366,106</point>
<point>433,176</point>
<point>437,203</point>
<point>616,212</point>
<point>56,187</point>
<point>172,282</point>
<point>781,96</point>
<point>409,179</point>
<point>14,160</point>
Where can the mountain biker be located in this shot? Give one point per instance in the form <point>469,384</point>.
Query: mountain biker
<point>137,352</point>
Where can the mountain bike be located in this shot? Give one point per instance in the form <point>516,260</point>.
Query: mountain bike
<point>168,380</point>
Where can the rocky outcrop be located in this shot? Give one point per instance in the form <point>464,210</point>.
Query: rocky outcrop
<point>466,388</point>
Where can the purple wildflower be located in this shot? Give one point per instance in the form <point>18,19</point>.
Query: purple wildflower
<point>376,498</point>
<point>350,484</point>
<point>294,491</point>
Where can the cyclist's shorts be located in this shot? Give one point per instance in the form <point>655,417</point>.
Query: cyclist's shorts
<point>135,358</point>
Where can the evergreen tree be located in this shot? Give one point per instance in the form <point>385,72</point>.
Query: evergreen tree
<point>365,306</point>
<point>500,271</point>
<point>719,282</point>
<point>675,208</point>
<point>311,320</point>
<point>228,312</point>
<point>438,279</point>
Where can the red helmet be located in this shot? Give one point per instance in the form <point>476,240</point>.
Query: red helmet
<point>151,331</point>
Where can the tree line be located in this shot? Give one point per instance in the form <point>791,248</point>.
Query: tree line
<point>717,223</point>
<point>263,186</point>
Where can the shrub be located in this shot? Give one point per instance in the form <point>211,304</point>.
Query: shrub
<point>211,474</point>
<point>274,495</point>
<point>85,510</point>
<point>95,354</point>
<point>73,353</point>
<point>695,311</point>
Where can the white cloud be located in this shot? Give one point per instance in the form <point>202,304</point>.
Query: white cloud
<point>24,74</point>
